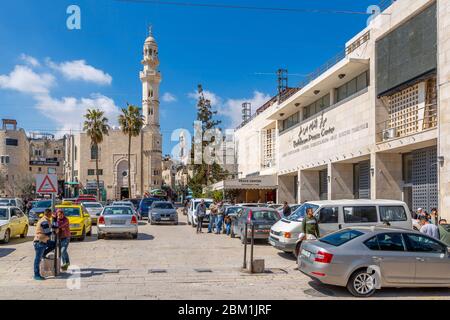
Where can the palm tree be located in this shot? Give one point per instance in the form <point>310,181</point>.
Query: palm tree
<point>96,127</point>
<point>131,122</point>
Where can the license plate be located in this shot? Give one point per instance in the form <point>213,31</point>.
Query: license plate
<point>165,219</point>
<point>117,221</point>
<point>306,253</point>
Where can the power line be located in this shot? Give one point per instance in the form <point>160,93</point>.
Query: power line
<point>242,7</point>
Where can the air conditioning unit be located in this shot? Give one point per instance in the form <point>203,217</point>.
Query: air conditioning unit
<point>389,134</point>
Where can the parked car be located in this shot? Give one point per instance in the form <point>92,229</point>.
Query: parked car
<point>334,215</point>
<point>94,209</point>
<point>37,210</point>
<point>13,202</point>
<point>261,218</point>
<point>191,215</point>
<point>365,259</point>
<point>117,220</point>
<point>232,212</point>
<point>135,202</point>
<point>252,205</point>
<point>79,218</point>
<point>162,212</point>
<point>144,206</point>
<point>85,198</point>
<point>13,223</point>
<point>128,204</point>
<point>293,207</point>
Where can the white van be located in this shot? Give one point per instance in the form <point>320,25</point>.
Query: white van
<point>334,215</point>
<point>191,217</point>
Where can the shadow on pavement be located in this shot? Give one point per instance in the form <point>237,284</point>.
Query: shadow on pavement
<point>88,272</point>
<point>17,240</point>
<point>6,251</point>
<point>287,256</point>
<point>141,236</point>
<point>322,290</point>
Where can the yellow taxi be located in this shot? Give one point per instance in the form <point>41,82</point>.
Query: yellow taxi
<point>79,218</point>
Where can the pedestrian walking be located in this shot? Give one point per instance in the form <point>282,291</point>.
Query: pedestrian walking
<point>310,226</point>
<point>428,228</point>
<point>434,216</point>
<point>286,210</point>
<point>42,243</point>
<point>64,237</point>
<point>219,218</point>
<point>227,221</point>
<point>200,212</point>
<point>212,217</point>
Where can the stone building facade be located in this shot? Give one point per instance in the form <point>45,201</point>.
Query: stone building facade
<point>375,124</point>
<point>14,159</point>
<point>146,150</point>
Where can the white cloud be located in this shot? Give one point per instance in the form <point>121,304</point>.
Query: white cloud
<point>232,108</point>
<point>25,80</point>
<point>168,97</point>
<point>211,96</point>
<point>70,110</point>
<point>32,61</point>
<point>79,70</point>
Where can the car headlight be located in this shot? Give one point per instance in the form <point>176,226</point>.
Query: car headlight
<point>75,225</point>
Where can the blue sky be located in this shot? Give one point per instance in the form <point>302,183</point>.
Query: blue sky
<point>49,74</point>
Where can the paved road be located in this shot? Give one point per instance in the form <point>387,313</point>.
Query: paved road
<point>169,262</point>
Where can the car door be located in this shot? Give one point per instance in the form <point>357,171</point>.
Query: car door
<point>431,258</point>
<point>14,222</point>
<point>22,221</point>
<point>328,218</point>
<point>397,265</point>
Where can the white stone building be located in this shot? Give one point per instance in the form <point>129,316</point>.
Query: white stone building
<point>373,124</point>
<point>146,151</point>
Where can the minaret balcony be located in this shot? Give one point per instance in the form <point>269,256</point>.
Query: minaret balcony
<point>149,74</point>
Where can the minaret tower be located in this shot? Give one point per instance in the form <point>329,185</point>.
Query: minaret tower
<point>150,78</point>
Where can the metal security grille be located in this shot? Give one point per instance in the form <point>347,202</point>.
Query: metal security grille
<point>323,184</point>
<point>364,180</point>
<point>424,179</point>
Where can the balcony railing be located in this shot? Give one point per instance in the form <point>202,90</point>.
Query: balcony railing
<point>426,118</point>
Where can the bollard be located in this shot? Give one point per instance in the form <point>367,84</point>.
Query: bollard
<point>244,266</point>
<point>251,248</point>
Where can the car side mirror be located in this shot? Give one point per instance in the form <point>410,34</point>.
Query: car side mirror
<point>86,215</point>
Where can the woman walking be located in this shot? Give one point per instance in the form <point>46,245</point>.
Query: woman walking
<point>64,236</point>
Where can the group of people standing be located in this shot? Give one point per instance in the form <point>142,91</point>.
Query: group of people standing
<point>430,222</point>
<point>217,217</point>
<point>49,228</point>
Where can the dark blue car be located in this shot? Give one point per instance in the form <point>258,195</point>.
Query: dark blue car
<point>145,205</point>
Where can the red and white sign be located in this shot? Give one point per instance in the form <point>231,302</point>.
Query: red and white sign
<point>46,183</point>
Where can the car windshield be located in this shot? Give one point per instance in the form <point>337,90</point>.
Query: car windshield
<point>265,215</point>
<point>300,212</point>
<point>341,237</point>
<point>44,204</point>
<point>71,212</point>
<point>3,214</point>
<point>111,211</point>
<point>92,205</point>
<point>162,205</point>
<point>233,210</point>
<point>208,204</point>
<point>5,202</point>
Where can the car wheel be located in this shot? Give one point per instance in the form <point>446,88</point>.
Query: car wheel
<point>25,232</point>
<point>135,236</point>
<point>83,235</point>
<point>90,232</point>
<point>7,236</point>
<point>100,236</point>
<point>361,284</point>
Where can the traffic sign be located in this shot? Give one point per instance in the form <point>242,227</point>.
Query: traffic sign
<point>46,183</point>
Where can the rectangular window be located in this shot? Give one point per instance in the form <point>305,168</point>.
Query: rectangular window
<point>360,214</point>
<point>392,213</point>
<point>317,106</point>
<point>11,142</point>
<point>329,215</point>
<point>352,87</point>
<point>291,121</point>
<point>91,172</point>
<point>391,242</point>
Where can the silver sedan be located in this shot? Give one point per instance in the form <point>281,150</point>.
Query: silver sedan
<point>365,259</point>
<point>117,220</point>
